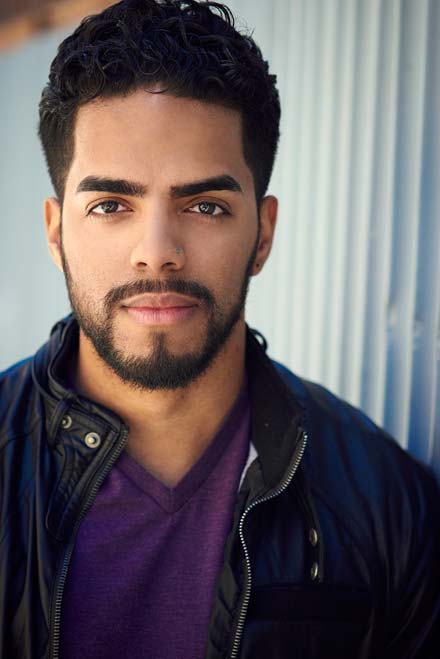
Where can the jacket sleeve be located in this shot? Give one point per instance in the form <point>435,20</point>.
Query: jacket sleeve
<point>414,623</point>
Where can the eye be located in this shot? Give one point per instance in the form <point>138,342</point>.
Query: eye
<point>207,206</point>
<point>109,208</point>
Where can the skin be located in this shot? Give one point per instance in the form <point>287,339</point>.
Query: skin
<point>161,141</point>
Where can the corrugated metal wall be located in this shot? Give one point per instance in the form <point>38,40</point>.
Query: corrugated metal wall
<point>351,295</point>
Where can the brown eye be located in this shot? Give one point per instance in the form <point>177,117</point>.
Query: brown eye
<point>205,206</point>
<point>108,208</point>
<point>208,208</point>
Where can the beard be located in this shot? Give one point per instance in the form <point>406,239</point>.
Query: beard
<point>160,369</point>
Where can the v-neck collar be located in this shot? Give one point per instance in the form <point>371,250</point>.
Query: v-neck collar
<point>171,499</point>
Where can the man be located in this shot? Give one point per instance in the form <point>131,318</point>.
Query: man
<point>167,491</point>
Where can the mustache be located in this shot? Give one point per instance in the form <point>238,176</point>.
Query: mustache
<point>139,287</point>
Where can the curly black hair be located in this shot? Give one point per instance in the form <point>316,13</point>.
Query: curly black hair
<point>190,48</point>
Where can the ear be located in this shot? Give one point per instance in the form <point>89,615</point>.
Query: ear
<point>52,219</point>
<point>268,220</point>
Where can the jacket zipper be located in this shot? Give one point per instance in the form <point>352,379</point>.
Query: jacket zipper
<point>248,576</point>
<point>55,639</point>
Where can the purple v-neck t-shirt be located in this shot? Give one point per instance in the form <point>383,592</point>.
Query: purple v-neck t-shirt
<point>142,575</point>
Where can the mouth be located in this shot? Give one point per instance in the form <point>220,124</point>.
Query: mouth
<point>162,309</point>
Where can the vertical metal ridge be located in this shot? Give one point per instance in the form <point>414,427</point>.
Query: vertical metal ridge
<point>340,174</point>
<point>288,44</point>
<point>379,245</point>
<point>364,93</point>
<point>301,204</point>
<point>427,304</point>
<point>319,187</point>
<point>406,216</point>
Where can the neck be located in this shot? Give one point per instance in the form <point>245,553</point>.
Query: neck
<point>169,429</point>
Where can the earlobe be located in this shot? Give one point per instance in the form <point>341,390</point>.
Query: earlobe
<point>52,219</point>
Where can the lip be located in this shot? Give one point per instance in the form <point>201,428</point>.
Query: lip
<point>160,315</point>
<point>159,301</point>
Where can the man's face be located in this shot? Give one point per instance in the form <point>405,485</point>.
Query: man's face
<point>157,275</point>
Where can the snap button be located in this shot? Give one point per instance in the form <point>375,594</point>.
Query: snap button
<point>92,439</point>
<point>313,537</point>
<point>314,571</point>
<point>66,422</point>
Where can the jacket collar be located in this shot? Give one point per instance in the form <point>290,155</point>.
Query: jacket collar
<point>276,415</point>
<point>50,373</point>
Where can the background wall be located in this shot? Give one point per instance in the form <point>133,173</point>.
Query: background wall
<point>351,294</point>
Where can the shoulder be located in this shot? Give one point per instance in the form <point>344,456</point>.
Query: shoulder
<point>20,409</point>
<point>355,466</point>
<point>24,385</point>
<point>15,382</point>
<point>371,498</point>
<point>20,415</point>
<point>336,425</point>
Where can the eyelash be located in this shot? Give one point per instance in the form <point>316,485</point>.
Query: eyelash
<point>104,216</point>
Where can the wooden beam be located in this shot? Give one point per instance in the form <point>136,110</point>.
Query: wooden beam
<point>56,13</point>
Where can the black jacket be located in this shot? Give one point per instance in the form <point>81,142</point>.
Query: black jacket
<point>334,549</point>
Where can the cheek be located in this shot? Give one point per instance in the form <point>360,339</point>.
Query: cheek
<point>223,273</point>
<point>93,265</point>
<point>229,251</point>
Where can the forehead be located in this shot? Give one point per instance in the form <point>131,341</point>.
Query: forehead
<point>157,138</point>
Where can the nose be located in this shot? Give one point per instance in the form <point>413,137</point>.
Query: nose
<point>157,247</point>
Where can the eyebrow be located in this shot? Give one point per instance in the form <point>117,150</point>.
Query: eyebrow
<point>133,189</point>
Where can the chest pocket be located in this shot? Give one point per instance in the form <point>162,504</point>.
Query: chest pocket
<point>300,622</point>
